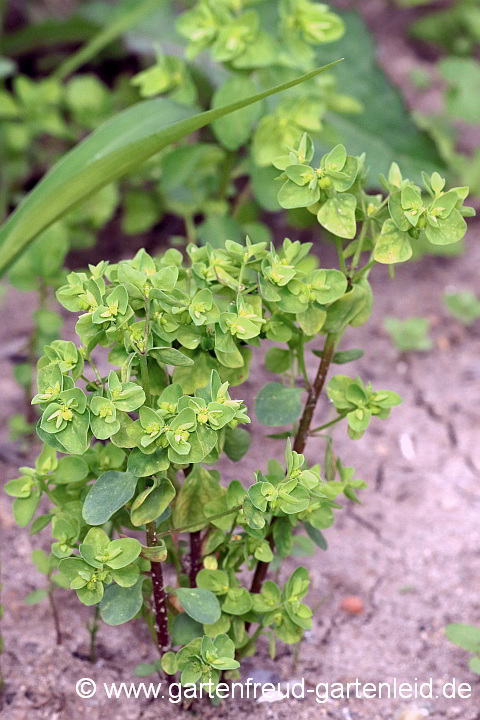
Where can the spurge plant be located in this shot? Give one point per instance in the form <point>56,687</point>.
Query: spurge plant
<point>134,448</point>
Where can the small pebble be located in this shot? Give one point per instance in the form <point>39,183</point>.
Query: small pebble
<point>407,447</point>
<point>353,605</point>
<point>412,713</point>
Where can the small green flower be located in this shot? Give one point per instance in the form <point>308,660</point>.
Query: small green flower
<point>180,429</point>
<point>153,425</point>
<point>103,420</point>
<point>58,414</point>
<point>126,397</point>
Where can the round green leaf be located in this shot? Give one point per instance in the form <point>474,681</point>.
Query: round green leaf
<point>185,629</point>
<point>278,405</point>
<point>292,195</point>
<point>449,230</point>
<point>142,465</point>
<point>235,129</point>
<point>70,469</point>
<point>237,443</point>
<point>337,215</point>
<point>393,245</point>
<point>200,604</point>
<point>119,604</point>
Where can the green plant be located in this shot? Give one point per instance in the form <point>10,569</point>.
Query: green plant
<point>48,565</point>
<point>133,448</point>
<point>218,185</point>
<point>456,29</point>
<point>410,334</point>
<point>35,109</point>
<point>464,306</point>
<point>468,638</point>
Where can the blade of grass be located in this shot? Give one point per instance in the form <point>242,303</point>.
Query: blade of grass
<point>105,37</point>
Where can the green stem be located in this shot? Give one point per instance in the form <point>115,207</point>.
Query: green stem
<point>226,174</point>
<point>143,358</point>
<point>145,379</point>
<point>186,528</point>
<point>301,362</point>
<point>363,271</point>
<point>241,199</point>
<point>56,619</point>
<point>190,229</point>
<point>327,425</point>
<point>341,257</point>
<point>98,377</point>
<point>241,652</point>
<point>361,240</point>
<point>93,635</point>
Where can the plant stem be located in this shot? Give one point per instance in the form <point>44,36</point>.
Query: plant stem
<point>312,399</point>
<point>363,271</point>
<point>260,572</point>
<point>327,425</point>
<point>241,199</point>
<point>159,595</point>
<point>186,528</point>
<point>56,618</point>
<point>241,652</point>
<point>301,362</point>
<point>145,379</point>
<point>225,175</point>
<point>341,257</point>
<point>301,437</point>
<point>112,32</point>
<point>195,556</point>
<point>99,379</point>
<point>360,241</point>
<point>93,636</point>
<point>143,357</point>
<point>190,229</point>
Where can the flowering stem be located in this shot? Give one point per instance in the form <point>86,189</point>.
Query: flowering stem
<point>314,394</point>
<point>301,438</point>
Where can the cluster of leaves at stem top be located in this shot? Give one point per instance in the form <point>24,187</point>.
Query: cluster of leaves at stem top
<point>179,335</point>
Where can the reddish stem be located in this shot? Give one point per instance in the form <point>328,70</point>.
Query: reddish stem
<point>195,556</point>
<point>159,595</point>
<point>300,440</point>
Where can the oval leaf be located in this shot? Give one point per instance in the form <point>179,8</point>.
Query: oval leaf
<point>200,604</point>
<point>110,493</point>
<point>120,604</point>
<point>277,405</point>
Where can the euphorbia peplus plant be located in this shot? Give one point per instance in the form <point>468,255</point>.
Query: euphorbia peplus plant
<point>138,442</point>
